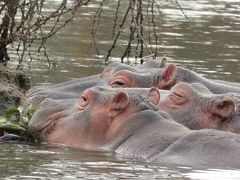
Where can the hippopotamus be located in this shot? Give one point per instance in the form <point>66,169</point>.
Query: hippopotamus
<point>186,75</point>
<point>153,73</point>
<point>198,108</point>
<point>142,68</point>
<point>161,78</point>
<point>72,89</point>
<point>154,64</point>
<point>122,75</point>
<point>116,66</point>
<point>65,90</point>
<point>216,87</point>
<point>129,124</point>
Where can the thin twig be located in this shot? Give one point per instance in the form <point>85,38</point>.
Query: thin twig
<point>181,9</point>
<point>118,34</point>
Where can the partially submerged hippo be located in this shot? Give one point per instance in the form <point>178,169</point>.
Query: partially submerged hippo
<point>151,74</point>
<point>155,64</point>
<point>114,67</point>
<point>163,78</point>
<point>199,108</point>
<point>129,124</point>
<point>216,87</point>
<point>65,90</point>
<point>72,89</point>
<point>186,75</point>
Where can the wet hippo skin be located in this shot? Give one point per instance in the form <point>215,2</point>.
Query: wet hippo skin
<point>186,75</point>
<point>115,75</point>
<point>198,108</point>
<point>162,76</point>
<point>129,124</point>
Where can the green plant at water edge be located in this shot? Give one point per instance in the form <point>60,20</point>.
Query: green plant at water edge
<point>15,122</point>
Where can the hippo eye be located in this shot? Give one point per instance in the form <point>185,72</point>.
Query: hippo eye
<point>178,95</point>
<point>117,83</point>
<point>177,98</point>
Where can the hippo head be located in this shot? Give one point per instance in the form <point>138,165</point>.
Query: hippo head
<point>91,121</point>
<point>159,78</point>
<point>155,63</point>
<point>196,110</point>
<point>114,67</point>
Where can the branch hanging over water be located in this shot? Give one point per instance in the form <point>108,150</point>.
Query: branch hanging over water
<point>139,23</point>
<point>26,22</point>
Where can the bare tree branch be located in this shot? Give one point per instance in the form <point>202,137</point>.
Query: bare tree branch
<point>30,26</point>
<point>27,22</point>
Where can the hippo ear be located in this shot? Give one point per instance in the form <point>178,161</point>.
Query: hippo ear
<point>153,96</point>
<point>224,106</point>
<point>163,63</point>
<point>106,73</point>
<point>168,77</point>
<point>119,102</point>
<point>109,70</point>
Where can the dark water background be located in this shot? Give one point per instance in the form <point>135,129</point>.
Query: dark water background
<point>208,42</point>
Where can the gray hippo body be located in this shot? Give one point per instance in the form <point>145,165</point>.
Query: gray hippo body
<point>72,89</point>
<point>157,74</point>
<point>66,90</point>
<point>197,108</point>
<point>186,75</point>
<point>216,87</point>
<point>129,124</point>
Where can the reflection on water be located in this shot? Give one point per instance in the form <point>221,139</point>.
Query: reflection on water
<point>28,162</point>
<point>208,42</point>
<point>218,174</point>
<point>22,161</point>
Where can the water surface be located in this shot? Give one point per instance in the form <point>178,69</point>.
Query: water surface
<point>208,42</point>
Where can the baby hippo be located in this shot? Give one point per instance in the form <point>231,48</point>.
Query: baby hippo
<point>198,108</point>
<point>129,124</point>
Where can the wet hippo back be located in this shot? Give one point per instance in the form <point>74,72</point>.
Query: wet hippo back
<point>131,125</point>
<point>197,108</point>
<point>160,139</point>
<point>216,87</point>
<point>203,148</point>
<point>149,133</point>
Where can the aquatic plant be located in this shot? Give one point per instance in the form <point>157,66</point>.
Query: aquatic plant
<point>13,124</point>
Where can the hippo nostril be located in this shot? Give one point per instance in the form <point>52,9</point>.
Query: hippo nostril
<point>84,98</point>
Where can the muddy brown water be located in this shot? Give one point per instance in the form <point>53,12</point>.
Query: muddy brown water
<point>209,42</point>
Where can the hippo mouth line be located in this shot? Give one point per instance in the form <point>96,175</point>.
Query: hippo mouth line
<point>37,129</point>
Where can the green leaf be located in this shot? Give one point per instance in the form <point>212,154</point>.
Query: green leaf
<point>20,109</point>
<point>11,111</point>
<point>11,127</point>
<point>31,110</point>
<point>23,121</point>
<point>3,119</point>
